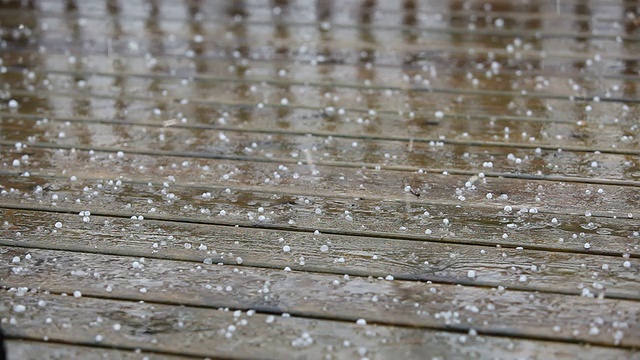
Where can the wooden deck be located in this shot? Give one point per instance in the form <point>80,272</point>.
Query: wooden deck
<point>423,179</point>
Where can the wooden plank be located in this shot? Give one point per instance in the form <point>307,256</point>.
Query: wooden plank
<point>387,303</point>
<point>30,349</point>
<point>463,156</point>
<point>447,89</point>
<point>442,67</point>
<point>448,17</point>
<point>439,73</point>
<point>221,334</point>
<point>296,179</point>
<point>174,93</point>
<point>394,219</point>
<point>339,40</point>
<point>527,270</point>
<point>438,80</point>
<point>513,131</point>
<point>439,12</point>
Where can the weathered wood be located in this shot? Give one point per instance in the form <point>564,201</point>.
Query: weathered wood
<point>552,84</point>
<point>548,194</point>
<point>391,25</point>
<point>172,91</point>
<point>409,260</point>
<point>33,349</point>
<point>482,155</point>
<point>204,332</point>
<point>341,41</point>
<point>394,219</point>
<point>470,157</point>
<point>447,15</point>
<point>320,296</point>
<point>499,132</point>
<point>399,81</point>
<point>551,70</point>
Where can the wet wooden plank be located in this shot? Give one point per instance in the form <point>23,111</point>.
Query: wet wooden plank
<point>492,81</point>
<point>462,156</point>
<point>386,303</point>
<point>132,109</point>
<point>300,212</point>
<point>527,270</point>
<point>355,96</point>
<point>434,13</point>
<point>507,131</point>
<point>411,18</point>
<point>338,40</point>
<point>437,67</point>
<point>179,93</point>
<point>223,334</point>
<point>436,76</point>
<point>33,349</point>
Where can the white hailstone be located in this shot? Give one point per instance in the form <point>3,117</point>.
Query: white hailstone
<point>16,163</point>
<point>58,225</point>
<point>626,264</point>
<point>19,308</point>
<point>239,260</point>
<point>77,294</point>
<point>587,246</point>
<point>439,114</point>
<point>324,248</point>
<point>13,104</point>
<point>361,322</point>
<point>471,274</point>
<point>389,278</point>
<point>508,208</point>
<point>286,248</point>
<point>523,278</point>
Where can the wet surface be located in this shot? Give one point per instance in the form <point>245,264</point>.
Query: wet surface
<point>402,171</point>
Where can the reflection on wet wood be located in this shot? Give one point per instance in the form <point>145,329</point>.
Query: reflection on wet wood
<point>372,179</point>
